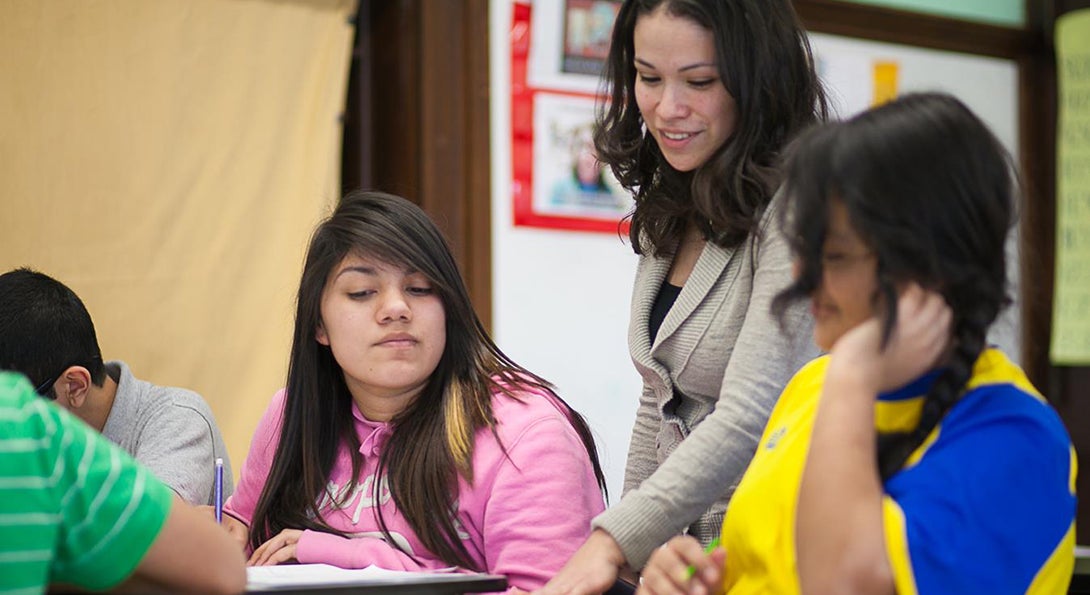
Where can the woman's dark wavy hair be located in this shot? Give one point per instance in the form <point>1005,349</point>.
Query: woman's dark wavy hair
<point>932,192</point>
<point>764,60</point>
<point>433,439</point>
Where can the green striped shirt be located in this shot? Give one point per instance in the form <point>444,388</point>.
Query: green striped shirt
<point>74,508</point>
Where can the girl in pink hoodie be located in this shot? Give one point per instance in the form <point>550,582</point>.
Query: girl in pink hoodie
<point>405,438</point>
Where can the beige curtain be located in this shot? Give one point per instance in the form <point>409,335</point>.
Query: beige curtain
<point>167,161</point>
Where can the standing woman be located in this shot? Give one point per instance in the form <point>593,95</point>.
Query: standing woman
<point>704,96</point>
<point>405,438</point>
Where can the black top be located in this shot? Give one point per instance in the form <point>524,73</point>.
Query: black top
<point>663,302</point>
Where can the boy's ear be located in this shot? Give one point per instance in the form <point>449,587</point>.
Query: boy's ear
<point>73,387</point>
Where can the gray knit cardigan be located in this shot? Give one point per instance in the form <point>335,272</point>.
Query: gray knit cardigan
<point>710,380</point>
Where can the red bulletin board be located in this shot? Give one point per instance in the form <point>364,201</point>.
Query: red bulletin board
<point>550,139</point>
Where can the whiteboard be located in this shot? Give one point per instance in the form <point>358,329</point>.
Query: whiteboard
<point>989,86</point>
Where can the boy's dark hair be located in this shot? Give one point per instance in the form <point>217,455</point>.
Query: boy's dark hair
<point>45,329</point>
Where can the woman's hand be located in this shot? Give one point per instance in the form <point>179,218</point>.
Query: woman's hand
<point>238,530</point>
<point>920,338</point>
<point>668,570</point>
<point>278,550</point>
<point>593,568</point>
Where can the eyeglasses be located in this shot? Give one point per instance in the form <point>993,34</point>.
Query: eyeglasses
<point>836,261</point>
<point>45,388</point>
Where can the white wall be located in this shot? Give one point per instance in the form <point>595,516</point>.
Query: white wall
<point>560,298</point>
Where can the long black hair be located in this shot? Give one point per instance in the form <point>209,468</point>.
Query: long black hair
<point>932,192</point>
<point>764,60</point>
<point>432,440</point>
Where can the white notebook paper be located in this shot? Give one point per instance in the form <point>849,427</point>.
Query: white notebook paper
<point>300,575</point>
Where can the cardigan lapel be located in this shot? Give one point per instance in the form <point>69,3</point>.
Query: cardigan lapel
<point>713,260</point>
<point>643,299</point>
<point>644,293</point>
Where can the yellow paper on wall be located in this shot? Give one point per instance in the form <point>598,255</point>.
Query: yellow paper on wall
<point>885,82</point>
<point>1071,293</point>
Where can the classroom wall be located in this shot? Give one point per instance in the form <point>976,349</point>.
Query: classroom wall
<point>560,298</point>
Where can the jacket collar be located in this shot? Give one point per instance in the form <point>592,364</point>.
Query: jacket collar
<point>709,267</point>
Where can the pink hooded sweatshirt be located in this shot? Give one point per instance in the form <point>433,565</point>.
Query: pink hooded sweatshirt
<point>524,515</point>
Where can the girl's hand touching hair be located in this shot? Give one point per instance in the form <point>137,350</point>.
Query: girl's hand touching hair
<point>668,570</point>
<point>920,338</point>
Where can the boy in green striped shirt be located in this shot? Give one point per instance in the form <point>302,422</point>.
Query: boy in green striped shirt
<point>77,510</point>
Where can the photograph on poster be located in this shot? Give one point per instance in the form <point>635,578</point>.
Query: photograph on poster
<point>568,44</point>
<point>587,27</point>
<point>569,181</point>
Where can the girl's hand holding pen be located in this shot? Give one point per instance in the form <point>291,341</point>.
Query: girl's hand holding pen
<point>234,527</point>
<point>681,566</point>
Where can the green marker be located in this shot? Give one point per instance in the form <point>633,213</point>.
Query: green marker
<point>711,547</point>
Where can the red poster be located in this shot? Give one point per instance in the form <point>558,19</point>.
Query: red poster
<point>558,181</point>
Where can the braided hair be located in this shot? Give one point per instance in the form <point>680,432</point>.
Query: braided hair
<point>932,192</point>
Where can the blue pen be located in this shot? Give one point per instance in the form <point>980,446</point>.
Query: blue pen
<point>219,490</point>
